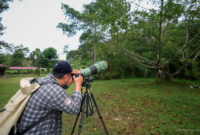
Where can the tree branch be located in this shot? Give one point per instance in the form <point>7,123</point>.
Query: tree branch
<point>185,61</point>
<point>152,62</point>
<point>167,28</point>
<point>196,55</point>
<point>165,62</point>
<point>177,71</point>
<point>192,54</point>
<point>189,41</point>
<point>153,67</point>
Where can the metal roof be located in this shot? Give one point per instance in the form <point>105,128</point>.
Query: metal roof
<point>2,65</point>
<point>24,68</point>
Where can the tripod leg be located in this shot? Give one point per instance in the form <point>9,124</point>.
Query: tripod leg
<point>98,112</point>
<point>83,110</point>
<point>87,106</point>
<point>78,115</point>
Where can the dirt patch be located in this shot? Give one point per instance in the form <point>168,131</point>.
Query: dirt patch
<point>117,118</point>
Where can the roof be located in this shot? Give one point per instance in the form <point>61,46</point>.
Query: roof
<point>24,68</point>
<point>2,65</point>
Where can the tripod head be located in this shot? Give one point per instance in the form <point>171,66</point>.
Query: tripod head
<point>86,81</point>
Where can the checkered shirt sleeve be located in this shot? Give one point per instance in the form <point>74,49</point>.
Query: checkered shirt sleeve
<point>72,106</point>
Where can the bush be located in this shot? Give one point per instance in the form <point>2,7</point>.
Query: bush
<point>11,72</point>
<point>37,71</point>
<point>15,72</point>
<point>51,70</point>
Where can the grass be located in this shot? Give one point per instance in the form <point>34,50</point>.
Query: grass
<point>132,106</point>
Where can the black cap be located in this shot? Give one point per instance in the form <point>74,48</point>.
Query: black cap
<point>63,67</point>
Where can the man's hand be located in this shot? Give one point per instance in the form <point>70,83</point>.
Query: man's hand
<point>78,81</point>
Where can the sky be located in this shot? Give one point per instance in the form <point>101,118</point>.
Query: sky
<point>32,23</point>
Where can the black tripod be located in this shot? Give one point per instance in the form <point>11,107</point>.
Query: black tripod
<point>85,103</point>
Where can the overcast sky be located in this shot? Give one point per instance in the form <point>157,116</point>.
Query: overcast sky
<point>32,23</point>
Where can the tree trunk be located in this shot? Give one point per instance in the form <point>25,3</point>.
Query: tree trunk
<point>156,76</point>
<point>163,75</point>
<point>170,78</point>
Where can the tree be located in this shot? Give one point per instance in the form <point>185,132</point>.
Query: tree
<point>34,56</point>
<point>48,58</point>
<point>19,55</point>
<point>72,55</point>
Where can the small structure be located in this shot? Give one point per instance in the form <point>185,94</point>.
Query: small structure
<point>20,68</point>
<point>2,69</point>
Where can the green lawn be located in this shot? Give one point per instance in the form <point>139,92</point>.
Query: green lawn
<point>133,106</point>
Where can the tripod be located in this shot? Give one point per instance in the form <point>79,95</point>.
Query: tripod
<point>85,103</point>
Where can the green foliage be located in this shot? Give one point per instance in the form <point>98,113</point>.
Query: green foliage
<point>194,69</point>
<point>37,71</point>
<point>72,55</point>
<point>16,72</point>
<point>151,38</point>
<point>11,72</point>
<point>50,53</point>
<point>19,55</point>
<point>2,59</point>
<point>47,59</point>
<point>34,55</point>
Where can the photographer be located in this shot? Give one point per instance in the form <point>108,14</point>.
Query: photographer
<point>52,99</point>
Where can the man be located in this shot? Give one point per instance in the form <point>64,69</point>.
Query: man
<point>52,98</point>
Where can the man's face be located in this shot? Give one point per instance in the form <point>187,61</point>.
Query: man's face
<point>66,79</point>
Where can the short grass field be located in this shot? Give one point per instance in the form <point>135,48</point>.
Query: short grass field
<point>133,106</point>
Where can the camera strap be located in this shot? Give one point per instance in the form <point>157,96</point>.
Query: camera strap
<point>34,124</point>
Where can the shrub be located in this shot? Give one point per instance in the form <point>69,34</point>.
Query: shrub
<point>11,72</point>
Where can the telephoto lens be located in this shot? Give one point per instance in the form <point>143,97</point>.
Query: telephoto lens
<point>98,67</point>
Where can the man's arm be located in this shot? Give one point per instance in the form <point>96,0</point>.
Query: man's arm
<point>65,103</point>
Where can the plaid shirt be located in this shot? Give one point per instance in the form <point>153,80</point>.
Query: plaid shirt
<point>47,98</point>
